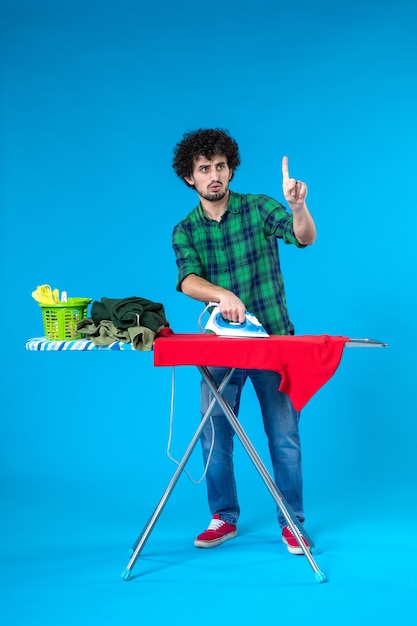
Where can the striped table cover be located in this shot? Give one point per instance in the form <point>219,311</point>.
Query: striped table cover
<point>41,343</point>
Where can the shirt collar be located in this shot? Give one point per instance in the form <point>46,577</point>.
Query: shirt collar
<point>235,202</point>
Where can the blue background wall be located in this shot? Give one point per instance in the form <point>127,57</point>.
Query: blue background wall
<point>94,96</point>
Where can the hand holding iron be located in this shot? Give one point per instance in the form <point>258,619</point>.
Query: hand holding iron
<point>232,308</point>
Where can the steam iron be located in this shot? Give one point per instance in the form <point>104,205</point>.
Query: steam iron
<point>251,327</point>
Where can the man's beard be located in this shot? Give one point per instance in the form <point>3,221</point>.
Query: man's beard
<point>213,197</point>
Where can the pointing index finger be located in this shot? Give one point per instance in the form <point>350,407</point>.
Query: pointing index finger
<point>285,173</point>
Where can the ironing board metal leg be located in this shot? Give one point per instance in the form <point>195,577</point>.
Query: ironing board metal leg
<point>285,508</point>
<point>144,535</point>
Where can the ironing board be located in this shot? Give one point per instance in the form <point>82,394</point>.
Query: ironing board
<point>304,362</point>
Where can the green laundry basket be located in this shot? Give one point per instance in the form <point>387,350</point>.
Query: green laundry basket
<point>60,320</point>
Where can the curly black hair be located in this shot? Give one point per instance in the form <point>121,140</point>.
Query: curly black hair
<point>205,142</point>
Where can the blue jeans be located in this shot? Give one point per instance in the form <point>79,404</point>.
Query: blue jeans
<point>281,427</point>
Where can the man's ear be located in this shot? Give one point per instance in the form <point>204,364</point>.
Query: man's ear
<point>230,174</point>
<point>189,180</point>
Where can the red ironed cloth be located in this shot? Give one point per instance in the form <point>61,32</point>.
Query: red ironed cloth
<point>305,362</point>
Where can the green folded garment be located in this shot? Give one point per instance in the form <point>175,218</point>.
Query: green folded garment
<point>126,312</point>
<point>105,333</point>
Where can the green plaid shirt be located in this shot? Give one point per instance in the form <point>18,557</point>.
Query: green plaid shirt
<point>240,253</point>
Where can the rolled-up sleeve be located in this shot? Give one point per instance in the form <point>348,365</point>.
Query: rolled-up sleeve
<point>187,258</point>
<point>278,222</point>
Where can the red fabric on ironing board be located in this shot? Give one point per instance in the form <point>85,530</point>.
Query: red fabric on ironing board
<point>305,362</point>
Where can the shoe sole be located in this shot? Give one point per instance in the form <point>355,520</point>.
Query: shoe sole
<point>215,542</point>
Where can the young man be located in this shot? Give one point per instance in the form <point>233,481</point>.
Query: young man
<point>226,252</point>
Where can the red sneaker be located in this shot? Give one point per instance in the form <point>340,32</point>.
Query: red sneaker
<point>217,532</point>
<point>292,544</point>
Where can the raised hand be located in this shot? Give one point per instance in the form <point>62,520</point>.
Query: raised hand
<point>295,191</point>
